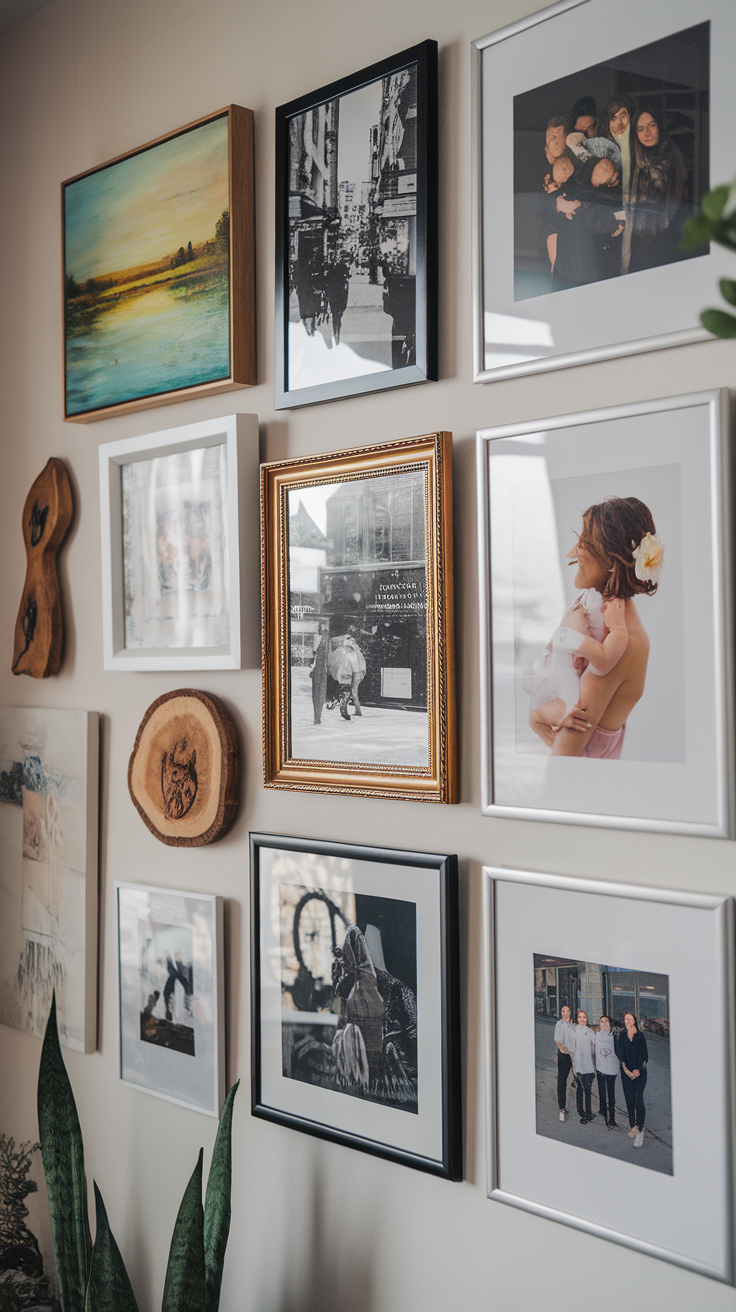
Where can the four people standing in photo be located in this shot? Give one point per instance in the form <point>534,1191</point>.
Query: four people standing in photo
<point>587,1052</point>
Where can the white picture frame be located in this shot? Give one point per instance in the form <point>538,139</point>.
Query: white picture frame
<point>650,309</point>
<point>171,984</point>
<point>603,1194</point>
<point>674,771</point>
<point>184,570</point>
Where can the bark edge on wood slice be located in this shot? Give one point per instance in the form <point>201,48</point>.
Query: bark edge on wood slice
<point>39,629</point>
<point>183,772</point>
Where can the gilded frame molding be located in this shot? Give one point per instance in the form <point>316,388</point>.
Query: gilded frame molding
<point>437,782</point>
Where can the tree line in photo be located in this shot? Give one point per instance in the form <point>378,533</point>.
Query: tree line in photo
<point>601,1052</point>
<point>614,188</point>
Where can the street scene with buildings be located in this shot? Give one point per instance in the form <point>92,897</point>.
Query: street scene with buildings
<point>352,233</point>
<point>358,621</point>
<point>602,991</point>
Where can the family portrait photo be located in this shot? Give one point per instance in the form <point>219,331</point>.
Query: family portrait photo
<point>349,979</point>
<point>609,163</point>
<point>602,1048</point>
<point>358,620</point>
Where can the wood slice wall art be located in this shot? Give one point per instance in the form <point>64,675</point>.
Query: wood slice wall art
<point>183,773</point>
<point>39,628</point>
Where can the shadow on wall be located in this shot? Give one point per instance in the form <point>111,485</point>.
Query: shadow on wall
<point>335,1267</point>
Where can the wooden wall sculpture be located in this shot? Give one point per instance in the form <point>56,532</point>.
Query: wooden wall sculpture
<point>183,771</point>
<point>39,628</point>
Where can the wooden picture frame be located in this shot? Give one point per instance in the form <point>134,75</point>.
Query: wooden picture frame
<point>101,288</point>
<point>358,586</point>
<point>362,245</point>
<point>150,622</point>
<point>387,920</point>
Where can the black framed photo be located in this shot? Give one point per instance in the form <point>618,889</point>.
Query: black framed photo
<point>355,1001</point>
<point>356,233</point>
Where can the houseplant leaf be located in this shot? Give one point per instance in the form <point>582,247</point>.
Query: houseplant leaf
<point>184,1290</point>
<point>728,290</point>
<point>217,1204</point>
<point>719,322</point>
<point>62,1152</point>
<point>108,1288</point>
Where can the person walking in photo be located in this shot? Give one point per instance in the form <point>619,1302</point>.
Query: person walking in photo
<point>583,1064</point>
<point>606,1068</point>
<point>631,1049</point>
<point>563,1038</point>
<point>347,666</point>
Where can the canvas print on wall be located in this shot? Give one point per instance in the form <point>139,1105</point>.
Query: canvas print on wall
<point>595,144</point>
<point>354,997</point>
<point>597,701</point>
<point>152,280</point>
<point>48,872</point>
<point>358,627</point>
<point>171,1008</point>
<point>356,215</point>
<point>595,1105</point>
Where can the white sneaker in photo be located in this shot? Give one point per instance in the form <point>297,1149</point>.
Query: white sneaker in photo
<point>639,1140</point>
<point>562,1116</point>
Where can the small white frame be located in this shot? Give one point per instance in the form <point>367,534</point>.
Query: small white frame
<point>168,1062</point>
<point>239,435</point>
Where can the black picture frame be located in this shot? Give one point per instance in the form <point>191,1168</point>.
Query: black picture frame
<point>438,1046</point>
<point>423,358</point>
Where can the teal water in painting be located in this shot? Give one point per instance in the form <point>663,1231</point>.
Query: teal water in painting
<point>175,335</point>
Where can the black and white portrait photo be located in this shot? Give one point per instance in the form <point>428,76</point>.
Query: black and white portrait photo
<point>348,976</point>
<point>602,1048</point>
<point>358,621</point>
<point>609,163</point>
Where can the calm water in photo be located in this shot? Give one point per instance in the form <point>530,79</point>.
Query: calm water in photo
<point>166,338</point>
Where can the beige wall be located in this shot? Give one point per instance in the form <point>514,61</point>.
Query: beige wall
<point>316,1227</point>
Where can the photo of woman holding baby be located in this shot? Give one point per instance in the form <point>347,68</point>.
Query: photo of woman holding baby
<point>597,658</point>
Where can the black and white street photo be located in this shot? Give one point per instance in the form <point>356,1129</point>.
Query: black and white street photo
<point>602,1043</point>
<point>358,621</point>
<point>352,233</point>
<point>349,980</point>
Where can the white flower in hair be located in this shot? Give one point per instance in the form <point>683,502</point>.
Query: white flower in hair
<point>649,558</point>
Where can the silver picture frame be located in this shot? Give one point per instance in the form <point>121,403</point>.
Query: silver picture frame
<point>516,337</point>
<point>530,786</point>
<point>171,995</point>
<point>703,1164</point>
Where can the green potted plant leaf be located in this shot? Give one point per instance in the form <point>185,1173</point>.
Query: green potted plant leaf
<point>93,1277</point>
<point>716,222</point>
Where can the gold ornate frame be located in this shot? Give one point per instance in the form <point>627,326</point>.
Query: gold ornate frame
<point>436,782</point>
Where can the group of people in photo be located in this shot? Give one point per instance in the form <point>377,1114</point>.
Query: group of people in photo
<point>599,1051</point>
<point>613,184</point>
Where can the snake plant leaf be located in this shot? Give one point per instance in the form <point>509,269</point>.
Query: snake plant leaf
<point>728,290</point>
<point>108,1287</point>
<point>184,1289</point>
<point>62,1152</point>
<point>719,322</point>
<point>217,1204</point>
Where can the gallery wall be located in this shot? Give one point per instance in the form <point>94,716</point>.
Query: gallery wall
<point>315,1225</point>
